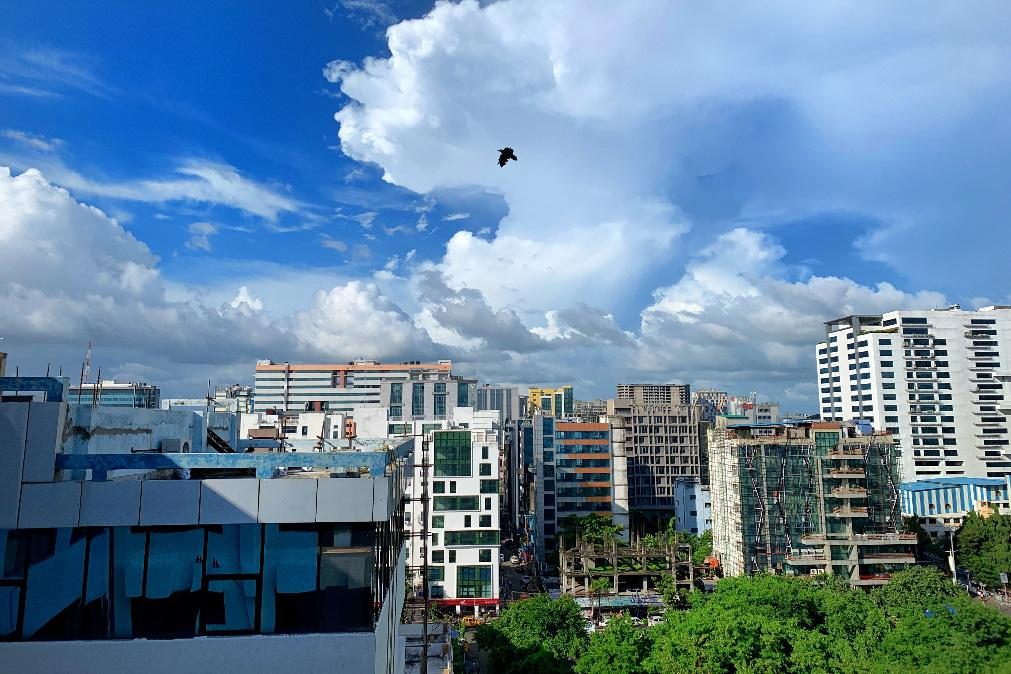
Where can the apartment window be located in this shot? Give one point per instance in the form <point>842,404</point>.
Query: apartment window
<point>886,363</point>
<point>489,486</point>
<point>892,419</point>
<point>396,394</point>
<point>452,486</point>
<point>484,453</point>
<point>441,503</point>
<point>466,521</point>
<point>440,405</point>
<point>439,487</point>
<point>473,581</point>
<point>435,539</point>
<point>485,469</point>
<point>487,503</point>
<point>484,555</point>
<point>396,411</point>
<point>462,395</point>
<point>484,521</point>
<point>438,556</point>
<point>418,399</point>
<point>436,573</point>
<point>438,521</point>
<point>453,453</point>
<point>472,537</point>
<point>440,387</point>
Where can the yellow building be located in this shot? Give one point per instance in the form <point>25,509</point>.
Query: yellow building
<point>556,402</point>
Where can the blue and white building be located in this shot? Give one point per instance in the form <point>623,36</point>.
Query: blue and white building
<point>942,503</point>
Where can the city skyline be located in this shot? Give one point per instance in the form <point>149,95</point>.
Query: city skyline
<point>674,218</point>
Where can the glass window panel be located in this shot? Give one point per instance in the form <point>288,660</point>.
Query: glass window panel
<point>55,579</point>
<point>288,604</point>
<point>233,549</point>
<point>169,605</point>
<point>230,605</point>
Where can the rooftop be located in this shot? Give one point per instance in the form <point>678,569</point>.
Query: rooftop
<point>943,482</point>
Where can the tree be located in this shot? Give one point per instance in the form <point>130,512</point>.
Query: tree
<point>534,633</point>
<point>702,547</point>
<point>599,587</point>
<point>917,588</point>
<point>619,649</point>
<point>983,546</point>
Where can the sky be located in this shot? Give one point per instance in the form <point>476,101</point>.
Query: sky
<point>194,186</point>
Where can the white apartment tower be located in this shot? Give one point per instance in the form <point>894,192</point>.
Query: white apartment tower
<point>927,377</point>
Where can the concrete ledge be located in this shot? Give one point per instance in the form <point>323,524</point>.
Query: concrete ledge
<point>287,500</point>
<point>170,502</point>
<point>111,504</point>
<point>228,501</point>
<point>50,505</point>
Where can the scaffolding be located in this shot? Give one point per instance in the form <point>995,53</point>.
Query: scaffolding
<point>804,499</point>
<point>628,568</point>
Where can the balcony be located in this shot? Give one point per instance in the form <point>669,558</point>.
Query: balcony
<point>843,453</point>
<point>844,472</point>
<point>846,511</point>
<point>871,579</point>
<point>888,558</point>
<point>859,539</point>
<point>847,492</point>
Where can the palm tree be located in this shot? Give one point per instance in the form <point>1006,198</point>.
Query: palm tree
<point>599,587</point>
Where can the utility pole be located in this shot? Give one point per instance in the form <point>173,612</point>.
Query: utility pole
<point>424,553</point>
<point>951,556</point>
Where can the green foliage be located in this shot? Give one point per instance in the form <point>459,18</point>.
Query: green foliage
<point>983,545</point>
<point>772,624</point>
<point>619,649</point>
<point>534,635</point>
<point>702,547</point>
<point>591,528</point>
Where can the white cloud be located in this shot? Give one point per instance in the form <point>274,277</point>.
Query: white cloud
<point>332,244</point>
<point>33,141</point>
<point>422,223</point>
<point>456,216</point>
<point>244,301</point>
<point>200,236</point>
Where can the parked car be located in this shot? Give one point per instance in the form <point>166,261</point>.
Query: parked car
<point>655,619</point>
<point>514,560</point>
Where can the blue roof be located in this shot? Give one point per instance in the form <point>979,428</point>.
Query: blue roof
<point>949,482</point>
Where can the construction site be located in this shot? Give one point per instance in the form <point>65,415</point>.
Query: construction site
<point>807,498</point>
<point>628,569</point>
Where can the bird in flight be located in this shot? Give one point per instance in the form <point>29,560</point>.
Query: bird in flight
<point>505,154</point>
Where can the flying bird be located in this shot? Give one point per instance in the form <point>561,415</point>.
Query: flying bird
<point>505,154</point>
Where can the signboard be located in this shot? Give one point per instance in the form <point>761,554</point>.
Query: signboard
<point>1003,579</point>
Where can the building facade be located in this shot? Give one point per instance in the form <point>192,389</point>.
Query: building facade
<point>109,393</point>
<point>941,503</point>
<point>655,394</point>
<point>505,399</point>
<point>807,499</point>
<point>577,472</point>
<point>464,510</point>
<point>555,402</point>
<point>336,387</point>
<point>665,443</point>
<point>118,562</point>
<point>421,399</point>
<point>590,410</point>
<point>927,377</point>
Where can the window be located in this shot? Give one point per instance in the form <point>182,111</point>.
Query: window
<point>473,581</point>
<point>452,556</point>
<point>484,555</point>
<point>462,394</point>
<point>438,521</point>
<point>472,537</point>
<point>396,412</point>
<point>484,521</point>
<point>439,487</point>
<point>485,469</point>
<point>438,556</point>
<point>440,387</point>
<point>453,453</point>
<point>396,394</point>
<point>489,486</point>
<point>466,520</point>
<point>305,431</point>
<point>418,399</point>
<point>436,572</point>
<point>443,503</point>
<point>440,405</point>
<point>452,486</point>
<point>487,503</point>
<point>484,453</point>
<point>435,539</point>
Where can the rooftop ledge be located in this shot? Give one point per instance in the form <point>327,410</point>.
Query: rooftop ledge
<point>372,463</point>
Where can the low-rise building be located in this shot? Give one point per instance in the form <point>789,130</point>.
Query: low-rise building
<point>807,498</point>
<point>111,393</point>
<point>556,402</point>
<point>942,503</point>
<point>130,545</point>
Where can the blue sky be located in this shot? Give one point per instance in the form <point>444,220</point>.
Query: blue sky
<point>695,193</point>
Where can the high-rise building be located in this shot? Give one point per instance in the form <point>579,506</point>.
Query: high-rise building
<point>665,444</point>
<point>505,399</point>
<point>420,399</point>
<point>280,561</point>
<point>929,378</point>
<point>806,499</point>
<point>337,387</point>
<point>556,402</point>
<point>711,402</point>
<point>578,471</point>
<point>655,394</point>
<point>110,393</point>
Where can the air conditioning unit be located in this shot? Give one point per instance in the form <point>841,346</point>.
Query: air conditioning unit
<point>174,446</point>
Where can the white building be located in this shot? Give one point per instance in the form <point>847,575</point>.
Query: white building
<point>464,511</point>
<point>336,387</point>
<point>928,377</point>
<point>505,399</point>
<point>119,561</point>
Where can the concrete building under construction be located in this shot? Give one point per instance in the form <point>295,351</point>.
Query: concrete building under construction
<point>807,498</point>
